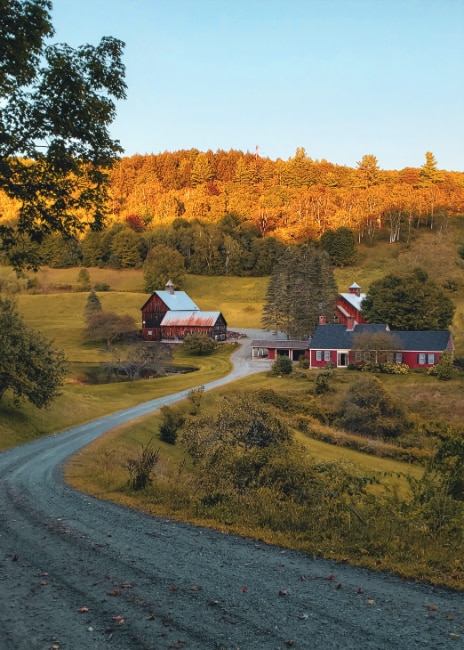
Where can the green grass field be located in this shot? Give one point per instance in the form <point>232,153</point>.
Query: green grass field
<point>100,468</point>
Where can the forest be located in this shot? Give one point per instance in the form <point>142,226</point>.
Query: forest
<point>233,213</point>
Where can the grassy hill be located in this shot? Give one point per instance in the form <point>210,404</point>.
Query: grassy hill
<point>56,307</point>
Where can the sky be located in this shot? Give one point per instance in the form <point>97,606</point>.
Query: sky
<point>340,78</point>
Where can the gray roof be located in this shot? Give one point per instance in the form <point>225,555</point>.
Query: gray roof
<point>281,344</point>
<point>337,337</point>
<point>425,341</point>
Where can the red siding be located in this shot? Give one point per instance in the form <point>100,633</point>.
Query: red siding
<point>352,311</point>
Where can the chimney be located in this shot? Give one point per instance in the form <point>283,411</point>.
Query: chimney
<point>322,320</point>
<point>350,324</point>
<point>169,287</point>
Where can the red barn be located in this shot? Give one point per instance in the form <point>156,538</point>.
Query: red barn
<point>171,315</point>
<point>349,306</point>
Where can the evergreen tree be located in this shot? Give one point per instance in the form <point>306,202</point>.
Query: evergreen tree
<point>301,288</point>
<point>92,306</point>
<point>83,280</point>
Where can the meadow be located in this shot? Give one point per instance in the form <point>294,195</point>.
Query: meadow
<point>56,307</point>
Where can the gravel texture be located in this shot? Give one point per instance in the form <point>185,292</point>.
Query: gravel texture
<point>77,573</point>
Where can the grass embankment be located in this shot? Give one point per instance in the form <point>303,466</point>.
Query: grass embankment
<point>100,468</point>
<point>82,403</point>
<point>384,528</point>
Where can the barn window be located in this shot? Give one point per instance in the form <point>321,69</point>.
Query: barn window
<point>318,355</point>
<point>326,355</point>
<point>398,357</point>
<point>421,358</point>
<point>357,356</point>
<point>431,359</point>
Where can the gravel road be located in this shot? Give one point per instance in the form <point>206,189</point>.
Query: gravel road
<point>77,573</point>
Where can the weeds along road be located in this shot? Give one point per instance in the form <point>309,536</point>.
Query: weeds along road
<point>77,573</point>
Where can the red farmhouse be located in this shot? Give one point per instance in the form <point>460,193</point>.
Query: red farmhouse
<point>334,344</point>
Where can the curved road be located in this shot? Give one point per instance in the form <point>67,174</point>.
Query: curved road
<point>77,573</point>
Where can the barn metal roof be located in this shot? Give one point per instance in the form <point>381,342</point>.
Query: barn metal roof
<point>177,301</point>
<point>190,318</point>
<point>354,299</point>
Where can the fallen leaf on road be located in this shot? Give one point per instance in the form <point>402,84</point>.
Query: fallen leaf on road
<point>193,588</point>
<point>370,602</point>
<point>152,617</point>
<point>432,608</point>
<point>84,610</point>
<point>172,588</point>
<point>120,619</point>
<point>282,592</point>
<point>244,589</point>
<point>114,592</point>
<point>290,642</point>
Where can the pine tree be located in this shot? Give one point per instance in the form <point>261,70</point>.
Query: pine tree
<point>92,306</point>
<point>301,288</point>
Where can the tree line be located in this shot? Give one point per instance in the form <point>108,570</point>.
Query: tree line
<point>294,200</point>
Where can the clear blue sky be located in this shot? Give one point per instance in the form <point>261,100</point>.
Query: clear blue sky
<point>341,78</point>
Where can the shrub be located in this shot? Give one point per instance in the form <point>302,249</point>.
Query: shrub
<point>444,370</point>
<point>101,286</point>
<point>282,365</point>
<point>141,468</point>
<point>173,420</point>
<point>199,344</point>
<point>394,368</point>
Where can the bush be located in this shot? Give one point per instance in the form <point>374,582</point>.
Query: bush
<point>141,468</point>
<point>172,421</point>
<point>394,368</point>
<point>101,286</point>
<point>444,370</point>
<point>324,380</point>
<point>282,365</point>
<point>199,344</point>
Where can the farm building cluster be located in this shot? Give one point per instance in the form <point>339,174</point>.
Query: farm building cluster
<point>334,343</point>
<point>171,315</point>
